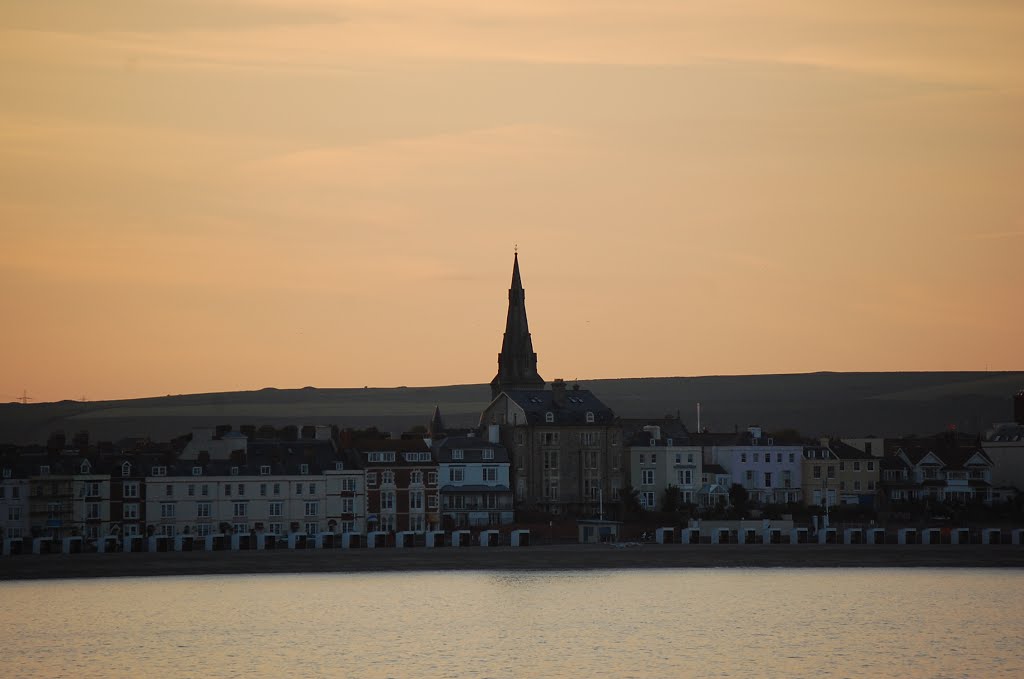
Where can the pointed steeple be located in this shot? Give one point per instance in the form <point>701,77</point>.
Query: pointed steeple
<point>436,427</point>
<point>517,362</point>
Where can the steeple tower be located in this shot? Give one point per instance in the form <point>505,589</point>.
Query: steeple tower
<point>517,362</point>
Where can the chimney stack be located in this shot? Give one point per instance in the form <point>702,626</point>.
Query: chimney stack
<point>1018,407</point>
<point>558,392</point>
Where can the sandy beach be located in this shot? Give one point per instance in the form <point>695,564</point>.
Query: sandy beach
<point>540,557</point>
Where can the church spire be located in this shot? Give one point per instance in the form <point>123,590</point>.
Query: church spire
<point>517,362</point>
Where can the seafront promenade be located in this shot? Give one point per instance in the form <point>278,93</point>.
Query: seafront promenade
<point>540,557</point>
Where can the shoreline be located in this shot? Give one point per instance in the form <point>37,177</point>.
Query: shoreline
<point>533,558</point>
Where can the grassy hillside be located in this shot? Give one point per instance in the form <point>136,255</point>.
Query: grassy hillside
<point>885,404</point>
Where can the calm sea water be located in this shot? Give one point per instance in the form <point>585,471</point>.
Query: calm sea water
<point>628,623</point>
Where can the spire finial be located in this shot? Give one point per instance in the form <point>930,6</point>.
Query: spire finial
<point>515,248</point>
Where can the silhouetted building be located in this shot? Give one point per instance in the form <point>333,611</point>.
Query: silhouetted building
<point>564,444</point>
<point>517,362</point>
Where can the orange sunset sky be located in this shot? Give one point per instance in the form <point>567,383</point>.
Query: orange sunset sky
<point>211,195</point>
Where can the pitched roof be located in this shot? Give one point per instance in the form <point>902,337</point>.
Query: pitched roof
<point>573,409</point>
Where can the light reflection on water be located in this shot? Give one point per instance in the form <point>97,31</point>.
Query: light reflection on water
<point>700,622</point>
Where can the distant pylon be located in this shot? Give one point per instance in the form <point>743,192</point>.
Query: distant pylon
<point>24,398</point>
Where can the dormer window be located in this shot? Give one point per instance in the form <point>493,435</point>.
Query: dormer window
<point>304,469</point>
<point>590,417</point>
<point>126,469</point>
<point>264,470</point>
<point>488,454</point>
<point>86,467</point>
<point>197,471</point>
<point>652,442</point>
<point>338,467</point>
<point>549,417</point>
<point>234,471</point>
<point>457,454</point>
<point>7,472</point>
<point>668,442</point>
<point>44,470</point>
<point>159,471</point>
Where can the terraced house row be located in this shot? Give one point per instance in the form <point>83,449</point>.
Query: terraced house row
<point>224,483</point>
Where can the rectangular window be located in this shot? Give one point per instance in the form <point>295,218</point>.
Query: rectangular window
<point>792,457</point>
<point>767,479</point>
<point>387,477</point>
<point>856,465</point>
<point>277,489</point>
<point>263,490</point>
<point>750,476</point>
<point>191,490</point>
<point>241,489</point>
<point>371,478</point>
<point>647,477</point>
<point>871,464</point>
<point>488,454</point>
<point>203,510</point>
<point>647,500</point>
<point>303,469</point>
<point>169,490</point>
<point>240,528</point>
<point>92,510</point>
<point>416,499</point>
<point>276,508</point>
<point>348,505</point>
<point>387,499</point>
<point>131,489</point>
<point>432,502</point>
<point>490,474</point>
<point>348,484</point>
<point>274,528</point>
<point>265,470</point>
<point>312,528</point>
<point>167,510</point>
<point>755,458</point>
<point>202,530</point>
<point>817,473</point>
<point>743,458</point>
<point>312,489</point>
<point>456,474</point>
<point>204,490</point>
<point>227,489</point>
<point>240,509</point>
<point>831,471</point>
<point>14,513</point>
<point>312,508</point>
<point>856,485</point>
<point>298,489</point>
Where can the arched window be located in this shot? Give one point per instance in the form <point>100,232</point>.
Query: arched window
<point>590,417</point>
<point>549,417</point>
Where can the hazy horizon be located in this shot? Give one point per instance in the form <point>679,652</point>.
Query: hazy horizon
<point>234,194</point>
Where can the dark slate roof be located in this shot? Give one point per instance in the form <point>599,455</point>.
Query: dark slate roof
<point>1007,433</point>
<point>714,469</point>
<point>472,450</point>
<point>890,463</point>
<point>845,451</point>
<point>573,411</point>
<point>285,458</point>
